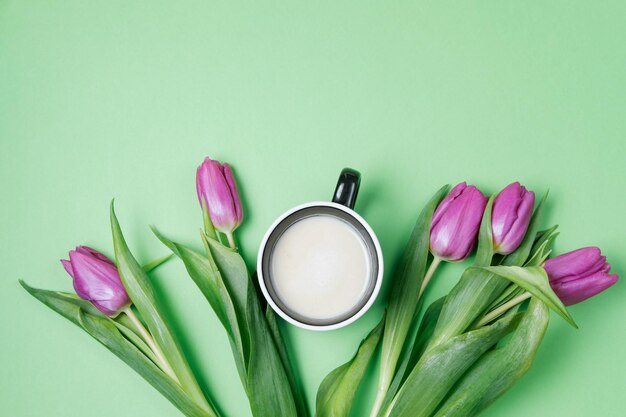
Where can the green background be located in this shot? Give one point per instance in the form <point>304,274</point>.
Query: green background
<point>124,98</point>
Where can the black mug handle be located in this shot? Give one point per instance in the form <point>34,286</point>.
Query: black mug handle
<point>347,187</point>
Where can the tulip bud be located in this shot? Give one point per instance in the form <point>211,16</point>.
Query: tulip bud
<point>456,222</point>
<point>580,274</point>
<point>216,186</point>
<point>96,280</point>
<point>512,210</point>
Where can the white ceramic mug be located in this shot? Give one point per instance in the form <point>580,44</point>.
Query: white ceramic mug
<point>358,259</point>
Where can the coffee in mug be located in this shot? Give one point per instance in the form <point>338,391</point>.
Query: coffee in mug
<point>320,265</point>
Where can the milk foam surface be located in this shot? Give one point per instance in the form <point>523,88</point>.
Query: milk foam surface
<point>320,267</point>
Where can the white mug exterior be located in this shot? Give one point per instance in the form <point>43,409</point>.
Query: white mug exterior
<point>377,284</point>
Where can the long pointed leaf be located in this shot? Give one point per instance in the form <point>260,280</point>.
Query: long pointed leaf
<point>204,276</point>
<point>441,367</point>
<point>484,252</point>
<point>142,294</point>
<point>296,388</point>
<point>336,392</point>
<point>405,288</point>
<point>498,370</point>
<point>542,247</point>
<point>155,263</point>
<point>105,331</point>
<point>234,293</point>
<point>267,385</point>
<point>423,335</point>
<point>222,277</point>
<point>208,278</point>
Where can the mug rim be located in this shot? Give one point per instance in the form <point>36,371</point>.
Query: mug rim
<point>379,259</point>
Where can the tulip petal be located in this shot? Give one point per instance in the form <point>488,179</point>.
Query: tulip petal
<point>600,266</point>
<point>68,267</point>
<point>573,292</point>
<point>576,263</point>
<point>89,251</point>
<point>443,206</point>
<point>234,191</point>
<point>200,183</point>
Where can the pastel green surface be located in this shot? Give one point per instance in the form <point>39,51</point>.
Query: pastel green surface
<point>123,99</point>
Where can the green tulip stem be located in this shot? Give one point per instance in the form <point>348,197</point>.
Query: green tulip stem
<point>493,314</point>
<point>231,241</point>
<point>429,274</point>
<point>162,362</point>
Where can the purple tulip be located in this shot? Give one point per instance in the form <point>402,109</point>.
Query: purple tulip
<point>512,210</point>
<point>580,274</point>
<point>216,185</point>
<point>96,280</point>
<point>456,222</point>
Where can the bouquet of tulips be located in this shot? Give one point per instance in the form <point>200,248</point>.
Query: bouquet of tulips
<point>455,363</point>
<point>116,303</point>
<point>458,361</point>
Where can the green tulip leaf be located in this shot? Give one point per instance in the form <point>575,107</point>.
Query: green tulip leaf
<point>484,252</point>
<point>209,281</point>
<point>467,300</point>
<point>534,280</point>
<point>442,366</point>
<point>267,383</point>
<point>209,229</point>
<point>423,335</point>
<point>155,263</point>
<point>497,371</point>
<point>405,288</point>
<point>272,321</point>
<point>141,292</point>
<point>234,287</point>
<point>109,334</point>
<point>261,360</point>
<point>542,246</point>
<point>336,392</point>
<point>205,275</point>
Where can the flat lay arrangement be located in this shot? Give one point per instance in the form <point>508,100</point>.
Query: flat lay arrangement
<point>312,209</point>
<point>320,267</point>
